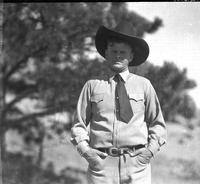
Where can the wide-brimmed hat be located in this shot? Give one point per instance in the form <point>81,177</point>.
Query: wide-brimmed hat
<point>123,31</point>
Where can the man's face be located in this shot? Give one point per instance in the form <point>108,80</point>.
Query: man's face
<point>118,56</point>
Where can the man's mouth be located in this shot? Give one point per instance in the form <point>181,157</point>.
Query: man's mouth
<point>117,62</point>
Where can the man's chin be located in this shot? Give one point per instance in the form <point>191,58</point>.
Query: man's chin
<point>118,68</point>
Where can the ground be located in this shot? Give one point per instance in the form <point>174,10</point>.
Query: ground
<point>176,163</point>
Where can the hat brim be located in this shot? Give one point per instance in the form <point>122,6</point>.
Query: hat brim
<point>139,46</point>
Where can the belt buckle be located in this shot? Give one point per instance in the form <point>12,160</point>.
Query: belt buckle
<point>113,151</point>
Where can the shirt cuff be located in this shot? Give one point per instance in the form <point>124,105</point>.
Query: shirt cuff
<point>76,140</point>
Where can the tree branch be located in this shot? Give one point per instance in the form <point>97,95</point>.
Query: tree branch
<point>23,60</point>
<point>15,122</point>
<point>17,99</point>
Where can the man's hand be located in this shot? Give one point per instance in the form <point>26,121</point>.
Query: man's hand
<point>94,158</point>
<point>94,153</point>
<point>144,155</point>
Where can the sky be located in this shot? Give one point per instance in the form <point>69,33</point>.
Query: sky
<point>179,38</point>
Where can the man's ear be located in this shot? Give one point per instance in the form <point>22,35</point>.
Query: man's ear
<point>106,53</point>
<point>131,56</point>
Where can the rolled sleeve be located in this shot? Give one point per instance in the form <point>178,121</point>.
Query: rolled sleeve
<point>157,133</point>
<point>82,116</point>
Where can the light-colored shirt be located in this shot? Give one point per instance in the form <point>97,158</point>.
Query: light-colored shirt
<point>97,115</point>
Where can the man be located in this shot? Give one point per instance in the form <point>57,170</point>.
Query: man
<point>119,125</point>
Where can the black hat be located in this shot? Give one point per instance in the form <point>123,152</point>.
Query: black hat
<point>123,31</point>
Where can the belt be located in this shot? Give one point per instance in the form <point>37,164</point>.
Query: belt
<point>114,151</point>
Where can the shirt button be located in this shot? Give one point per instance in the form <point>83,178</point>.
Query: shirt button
<point>117,110</point>
<point>117,97</point>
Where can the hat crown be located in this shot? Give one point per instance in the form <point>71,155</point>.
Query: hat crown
<point>126,28</point>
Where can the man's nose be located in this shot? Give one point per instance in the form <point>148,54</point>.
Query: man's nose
<point>118,56</point>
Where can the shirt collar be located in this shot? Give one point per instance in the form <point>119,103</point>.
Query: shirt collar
<point>123,74</point>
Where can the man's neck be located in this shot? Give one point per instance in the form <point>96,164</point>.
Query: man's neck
<point>124,74</point>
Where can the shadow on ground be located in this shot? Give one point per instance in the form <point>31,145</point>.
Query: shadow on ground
<point>19,169</point>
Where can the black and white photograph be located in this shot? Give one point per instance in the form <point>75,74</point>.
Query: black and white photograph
<point>100,92</point>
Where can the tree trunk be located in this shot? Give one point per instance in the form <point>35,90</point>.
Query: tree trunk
<point>1,158</point>
<point>2,144</point>
<point>2,122</point>
<point>41,151</point>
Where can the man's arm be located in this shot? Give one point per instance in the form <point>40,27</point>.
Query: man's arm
<point>79,132</point>
<point>155,121</point>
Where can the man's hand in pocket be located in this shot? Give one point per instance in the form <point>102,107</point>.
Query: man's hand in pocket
<point>144,155</point>
<point>94,157</point>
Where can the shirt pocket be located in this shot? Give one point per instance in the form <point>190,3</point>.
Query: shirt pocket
<point>137,102</point>
<point>97,102</point>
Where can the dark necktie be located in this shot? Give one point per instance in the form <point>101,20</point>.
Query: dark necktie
<point>125,110</point>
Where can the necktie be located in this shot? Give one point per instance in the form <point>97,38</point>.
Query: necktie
<point>125,110</point>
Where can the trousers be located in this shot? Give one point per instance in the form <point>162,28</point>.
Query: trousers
<point>123,169</point>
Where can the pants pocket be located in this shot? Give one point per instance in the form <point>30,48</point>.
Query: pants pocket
<point>142,160</point>
<point>95,163</point>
